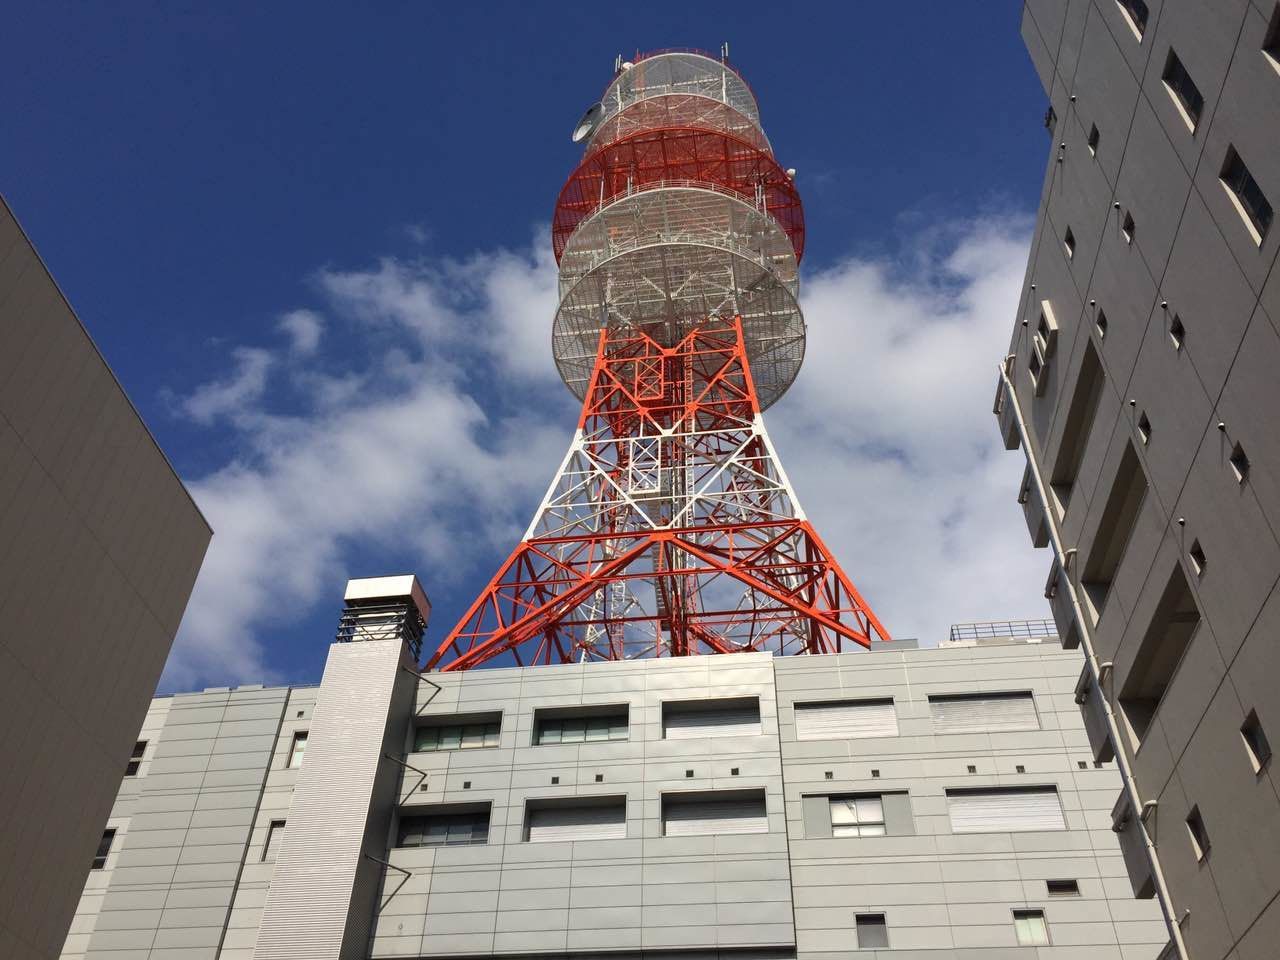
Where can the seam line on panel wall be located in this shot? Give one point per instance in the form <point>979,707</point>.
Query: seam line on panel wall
<point>1091,660</point>
<point>782,776</point>
<point>253,824</point>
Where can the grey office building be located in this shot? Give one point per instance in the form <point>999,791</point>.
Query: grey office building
<point>1142,382</point>
<point>904,802</point>
<point>99,547</point>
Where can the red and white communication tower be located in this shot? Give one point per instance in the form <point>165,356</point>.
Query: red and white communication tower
<point>671,528</point>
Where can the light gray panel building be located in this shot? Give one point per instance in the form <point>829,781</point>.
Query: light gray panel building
<point>99,548</point>
<point>904,802</point>
<point>1142,384</point>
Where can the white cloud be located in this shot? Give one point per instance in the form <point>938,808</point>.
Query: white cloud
<point>233,394</point>
<point>303,328</point>
<point>886,435</point>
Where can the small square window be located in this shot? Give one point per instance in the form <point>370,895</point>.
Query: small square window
<point>733,772</point>
<point>466,784</point>
<point>688,774</point>
<point>1136,13</point>
<point>1127,228</point>
<point>1062,888</point>
<point>1094,137</point>
<point>1177,332</point>
<point>1082,764</point>
<point>972,768</point>
<point>1249,200</point>
<point>1020,769</point>
<point>1271,42</point>
<point>274,832</point>
<point>1199,836</point>
<point>857,817</point>
<point>1100,325</point>
<point>555,781</point>
<point>298,748</point>
<point>873,932</point>
<point>1198,560</point>
<point>599,778</point>
<point>1239,461</point>
<point>828,774</point>
<point>1069,243</point>
<point>135,759</point>
<point>875,774</point>
<point>1185,94</point>
<point>1255,741</point>
<point>104,850</point>
<point>1030,927</point>
<point>1144,428</point>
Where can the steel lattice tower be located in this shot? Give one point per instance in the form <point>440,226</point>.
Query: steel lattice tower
<point>671,528</point>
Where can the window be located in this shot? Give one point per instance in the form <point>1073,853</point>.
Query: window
<point>1198,560</point>
<point>275,830</point>
<point>1062,888</point>
<point>1127,228</point>
<point>298,748</point>
<point>1119,516</point>
<point>135,759</point>
<point>1177,332</point>
<point>580,725</point>
<point>716,812</point>
<point>846,720</point>
<point>576,818</point>
<point>1094,138</point>
<point>1069,243</point>
<point>1100,324</point>
<point>983,712</point>
<point>1255,742</point>
<point>1047,325</point>
<point>738,717</point>
<point>1271,42</point>
<point>1080,414</point>
<point>1005,809</point>
<point>454,734</point>
<point>104,848</point>
<point>873,932</point>
<point>1239,461</point>
<point>1136,12</point>
<point>1163,645</point>
<point>1030,928</point>
<point>1144,428</point>
<point>1247,196</point>
<point>467,827</point>
<point>1199,836</point>
<point>857,817</point>
<point>1186,96</point>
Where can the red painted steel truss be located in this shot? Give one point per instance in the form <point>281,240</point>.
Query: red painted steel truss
<point>670,529</point>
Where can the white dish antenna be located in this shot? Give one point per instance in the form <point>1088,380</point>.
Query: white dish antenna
<point>590,120</point>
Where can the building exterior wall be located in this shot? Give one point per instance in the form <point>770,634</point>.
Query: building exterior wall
<point>99,548</point>
<point>791,890</point>
<point>1189,355</point>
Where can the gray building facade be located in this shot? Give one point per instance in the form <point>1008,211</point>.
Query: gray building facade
<point>1141,383</point>
<point>99,547</point>
<point>901,802</point>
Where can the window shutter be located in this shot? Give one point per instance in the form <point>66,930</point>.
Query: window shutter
<point>682,722</point>
<point>984,713</point>
<point>1004,811</point>
<point>847,720</point>
<point>686,817</point>
<point>605,822</point>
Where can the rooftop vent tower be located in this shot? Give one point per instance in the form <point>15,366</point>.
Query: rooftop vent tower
<point>671,528</point>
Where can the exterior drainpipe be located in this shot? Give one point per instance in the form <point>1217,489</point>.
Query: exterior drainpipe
<point>1096,670</point>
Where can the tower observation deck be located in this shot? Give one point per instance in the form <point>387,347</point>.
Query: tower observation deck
<point>671,528</point>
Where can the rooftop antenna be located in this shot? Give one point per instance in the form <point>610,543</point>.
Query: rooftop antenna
<point>617,64</point>
<point>724,51</point>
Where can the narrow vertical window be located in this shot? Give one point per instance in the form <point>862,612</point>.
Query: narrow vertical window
<point>1144,428</point>
<point>1183,91</point>
<point>1198,559</point>
<point>1069,243</point>
<point>1177,332</point>
<point>1100,325</point>
<point>1169,634</point>
<point>135,759</point>
<point>1030,928</point>
<point>1246,195</point>
<point>1128,228</point>
<point>1239,461</point>
<point>1137,14</point>
<point>873,932</point>
<point>1255,741</point>
<point>1119,516</point>
<point>275,831</point>
<point>298,748</point>
<point>104,850</point>
<point>1199,836</point>
<point>1080,414</point>
<point>1094,138</point>
<point>1271,42</point>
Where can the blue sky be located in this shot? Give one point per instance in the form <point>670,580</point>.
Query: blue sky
<point>281,222</point>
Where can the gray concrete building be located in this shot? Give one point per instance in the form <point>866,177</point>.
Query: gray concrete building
<point>1141,384</point>
<point>99,548</point>
<point>904,802</point>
